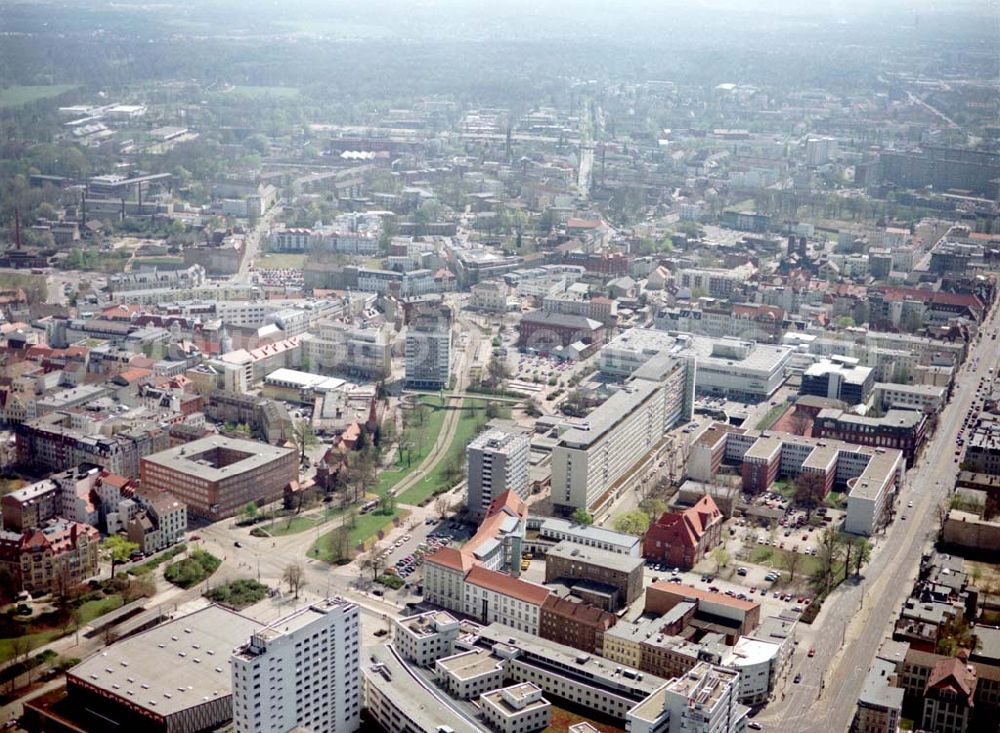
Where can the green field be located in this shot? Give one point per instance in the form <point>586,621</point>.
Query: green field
<point>281,261</point>
<point>94,609</point>
<point>470,424</point>
<point>289,525</point>
<point>165,262</point>
<point>772,557</point>
<point>429,431</point>
<point>366,526</point>
<point>88,612</point>
<point>250,91</point>
<point>16,96</point>
<point>294,525</point>
<point>8,649</point>
<point>772,416</point>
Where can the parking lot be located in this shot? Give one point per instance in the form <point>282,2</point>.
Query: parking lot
<point>773,595</point>
<point>404,558</point>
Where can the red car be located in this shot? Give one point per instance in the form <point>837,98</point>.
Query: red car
<point>812,653</point>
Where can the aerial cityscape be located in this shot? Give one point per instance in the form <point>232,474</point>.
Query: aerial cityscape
<point>455,367</point>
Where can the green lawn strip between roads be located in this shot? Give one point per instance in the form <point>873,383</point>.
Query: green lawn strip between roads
<point>88,612</point>
<point>469,425</point>
<point>366,526</point>
<point>772,416</point>
<point>429,430</point>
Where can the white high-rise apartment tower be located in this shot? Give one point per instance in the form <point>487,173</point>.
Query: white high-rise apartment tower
<point>300,671</point>
<point>498,461</point>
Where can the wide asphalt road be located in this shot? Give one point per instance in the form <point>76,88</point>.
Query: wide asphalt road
<point>855,620</point>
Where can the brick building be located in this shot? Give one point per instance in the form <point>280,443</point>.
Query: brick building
<point>682,538</point>
<point>51,558</point>
<point>579,625</point>
<point>904,430</point>
<point>217,476</point>
<point>739,617</point>
<point>545,332</point>
<point>621,575</point>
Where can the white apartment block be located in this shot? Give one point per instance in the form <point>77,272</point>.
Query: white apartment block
<point>593,456</point>
<point>516,709</point>
<point>758,663</point>
<point>716,282</point>
<point>924,397</point>
<point>428,354</point>
<point>425,638</point>
<point>170,513</point>
<point>292,239</point>
<point>494,597</point>
<point>704,700</point>
<point>469,674</point>
<point>498,461</point>
<point>353,350</point>
<point>491,296</point>
<point>300,672</point>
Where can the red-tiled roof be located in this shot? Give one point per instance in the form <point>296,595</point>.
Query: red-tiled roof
<point>954,676</point>
<point>134,375</point>
<point>451,558</point>
<point>508,501</point>
<point>687,591</point>
<point>504,584</point>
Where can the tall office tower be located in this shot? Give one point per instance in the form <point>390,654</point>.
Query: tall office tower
<point>302,671</point>
<point>498,461</point>
<point>428,351</point>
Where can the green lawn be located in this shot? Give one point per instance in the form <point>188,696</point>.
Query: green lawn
<point>294,525</point>
<point>7,646</point>
<point>785,488</point>
<point>162,261</point>
<point>89,611</point>
<point>16,96</point>
<point>427,434</point>
<point>290,525</point>
<point>366,526</point>
<point>470,424</point>
<point>281,261</point>
<point>774,558</point>
<point>772,416</point>
<point>93,609</point>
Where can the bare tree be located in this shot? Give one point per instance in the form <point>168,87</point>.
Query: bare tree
<point>22,648</point>
<point>810,490</point>
<point>791,562</point>
<point>339,544</point>
<point>798,424</point>
<point>373,560</point>
<point>829,554</point>
<point>730,492</point>
<point>441,506</point>
<point>294,575</point>
<point>942,510</point>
